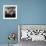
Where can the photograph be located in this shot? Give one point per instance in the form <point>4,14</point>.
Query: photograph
<point>32,32</point>
<point>9,11</point>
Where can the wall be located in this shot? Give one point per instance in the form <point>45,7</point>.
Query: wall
<point>7,26</point>
<point>28,12</point>
<point>33,12</point>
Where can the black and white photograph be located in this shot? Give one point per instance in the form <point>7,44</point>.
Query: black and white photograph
<point>9,11</point>
<point>31,34</point>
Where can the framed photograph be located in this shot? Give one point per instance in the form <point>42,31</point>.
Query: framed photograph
<point>31,32</point>
<point>9,11</point>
